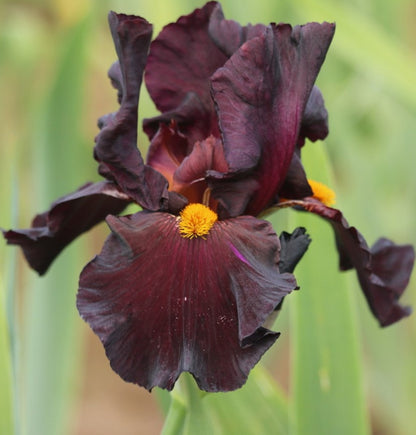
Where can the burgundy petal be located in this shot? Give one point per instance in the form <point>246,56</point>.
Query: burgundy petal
<point>293,248</point>
<point>116,144</point>
<point>167,150</point>
<point>191,116</point>
<point>181,60</point>
<point>314,124</point>
<point>261,94</point>
<point>229,35</point>
<point>383,271</point>
<point>295,185</point>
<point>205,156</point>
<point>163,304</point>
<point>68,217</point>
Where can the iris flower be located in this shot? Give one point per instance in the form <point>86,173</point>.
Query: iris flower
<point>188,282</point>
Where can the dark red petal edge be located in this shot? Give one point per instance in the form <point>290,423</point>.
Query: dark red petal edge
<point>293,248</point>
<point>261,94</point>
<point>295,185</point>
<point>68,217</point>
<point>116,144</point>
<point>314,124</point>
<point>229,35</point>
<point>383,271</point>
<point>162,304</point>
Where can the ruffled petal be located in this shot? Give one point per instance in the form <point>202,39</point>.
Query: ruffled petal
<point>229,35</point>
<point>207,155</point>
<point>116,144</point>
<point>167,150</point>
<point>295,185</point>
<point>68,217</point>
<point>181,60</point>
<point>383,271</point>
<point>163,304</point>
<point>261,94</point>
<point>293,248</point>
<point>314,124</point>
<point>191,116</point>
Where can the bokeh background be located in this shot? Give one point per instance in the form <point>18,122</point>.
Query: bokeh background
<point>54,55</point>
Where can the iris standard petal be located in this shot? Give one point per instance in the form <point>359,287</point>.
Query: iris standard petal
<point>296,184</point>
<point>68,217</point>
<point>261,94</point>
<point>190,115</point>
<point>314,125</point>
<point>163,304</point>
<point>167,150</point>
<point>229,35</point>
<point>116,144</point>
<point>181,60</point>
<point>383,271</point>
<point>207,155</point>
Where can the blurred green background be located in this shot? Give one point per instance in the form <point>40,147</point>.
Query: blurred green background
<point>54,55</point>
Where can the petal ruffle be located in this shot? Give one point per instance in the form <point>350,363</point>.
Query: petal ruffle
<point>163,304</point>
<point>167,150</point>
<point>293,248</point>
<point>68,217</point>
<point>383,271</point>
<point>314,124</point>
<point>229,35</point>
<point>181,60</point>
<point>261,94</point>
<point>295,185</point>
<point>116,144</point>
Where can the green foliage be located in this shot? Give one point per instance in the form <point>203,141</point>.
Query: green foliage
<point>259,407</point>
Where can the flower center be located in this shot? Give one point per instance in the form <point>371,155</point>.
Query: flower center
<point>322,193</point>
<point>196,220</point>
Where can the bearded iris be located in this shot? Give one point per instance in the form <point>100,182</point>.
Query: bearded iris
<point>187,283</point>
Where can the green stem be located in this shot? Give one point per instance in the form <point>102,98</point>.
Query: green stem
<point>176,415</point>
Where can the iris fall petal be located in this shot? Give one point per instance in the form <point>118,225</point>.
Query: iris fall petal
<point>205,316</point>
<point>68,217</point>
<point>383,271</point>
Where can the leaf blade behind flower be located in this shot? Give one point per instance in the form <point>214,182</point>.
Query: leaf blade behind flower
<point>260,406</point>
<point>327,374</point>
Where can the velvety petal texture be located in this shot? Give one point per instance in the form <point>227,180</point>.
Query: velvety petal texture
<point>229,35</point>
<point>181,60</point>
<point>314,125</point>
<point>383,270</point>
<point>163,304</point>
<point>261,94</point>
<point>293,247</point>
<point>68,217</point>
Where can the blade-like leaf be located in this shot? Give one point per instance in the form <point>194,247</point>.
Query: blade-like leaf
<point>327,380</point>
<point>258,407</point>
<point>51,328</point>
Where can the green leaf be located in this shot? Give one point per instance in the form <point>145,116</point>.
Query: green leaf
<point>363,43</point>
<point>327,381</point>
<point>51,345</point>
<point>258,407</point>
<point>6,377</point>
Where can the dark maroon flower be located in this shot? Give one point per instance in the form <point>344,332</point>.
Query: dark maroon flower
<point>188,283</point>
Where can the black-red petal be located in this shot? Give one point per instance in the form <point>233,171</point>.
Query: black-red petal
<point>163,304</point>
